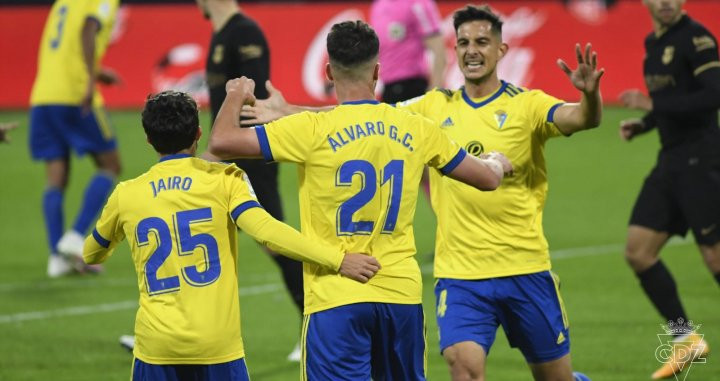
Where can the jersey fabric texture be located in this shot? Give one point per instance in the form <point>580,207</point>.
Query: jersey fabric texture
<point>492,234</point>
<point>191,292</point>
<point>529,308</point>
<point>337,340</point>
<point>359,169</point>
<point>62,76</point>
<point>683,189</point>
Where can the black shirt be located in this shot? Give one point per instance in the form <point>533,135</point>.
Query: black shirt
<point>682,74</point>
<point>238,49</point>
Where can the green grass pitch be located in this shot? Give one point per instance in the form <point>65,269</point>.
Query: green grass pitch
<point>67,329</point>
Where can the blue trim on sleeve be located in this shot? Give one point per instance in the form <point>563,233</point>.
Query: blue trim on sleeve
<point>174,156</point>
<point>486,101</point>
<point>100,240</point>
<point>362,102</point>
<point>454,162</point>
<point>264,143</point>
<point>243,207</point>
<point>551,112</point>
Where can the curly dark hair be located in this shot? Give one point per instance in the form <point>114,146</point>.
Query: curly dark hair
<point>474,13</point>
<point>351,44</point>
<point>170,120</point>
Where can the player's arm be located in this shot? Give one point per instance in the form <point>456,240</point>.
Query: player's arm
<point>572,117</point>
<point>485,173</point>
<point>427,17</point>
<point>90,29</point>
<point>273,108</point>
<point>287,241</point>
<point>99,245</point>
<point>227,140</point>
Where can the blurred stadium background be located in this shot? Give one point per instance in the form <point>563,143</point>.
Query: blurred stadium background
<point>67,329</point>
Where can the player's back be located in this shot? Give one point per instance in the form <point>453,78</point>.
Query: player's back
<point>61,73</point>
<point>183,241</point>
<point>360,167</point>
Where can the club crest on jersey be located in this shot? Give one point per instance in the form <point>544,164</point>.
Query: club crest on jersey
<point>218,53</point>
<point>475,148</point>
<point>668,53</point>
<point>447,123</point>
<point>500,117</point>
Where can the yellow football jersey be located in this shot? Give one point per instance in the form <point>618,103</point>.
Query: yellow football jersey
<point>492,234</point>
<point>179,218</point>
<point>61,74</point>
<point>360,166</point>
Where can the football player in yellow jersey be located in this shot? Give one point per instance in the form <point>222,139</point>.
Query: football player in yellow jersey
<point>180,218</point>
<point>491,257</point>
<point>360,166</point>
<point>66,114</point>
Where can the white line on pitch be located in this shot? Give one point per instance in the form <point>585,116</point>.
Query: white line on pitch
<point>109,307</point>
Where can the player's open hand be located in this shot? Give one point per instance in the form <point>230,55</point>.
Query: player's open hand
<point>586,77</point>
<point>265,110</point>
<point>4,128</point>
<point>359,267</point>
<point>635,99</point>
<point>243,86</point>
<point>629,128</point>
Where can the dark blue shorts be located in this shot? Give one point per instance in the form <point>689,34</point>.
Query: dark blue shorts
<point>228,371</point>
<point>363,340</point>
<point>54,130</point>
<point>529,308</point>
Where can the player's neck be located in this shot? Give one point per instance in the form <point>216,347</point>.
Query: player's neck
<point>348,91</point>
<point>659,28</point>
<point>482,88</point>
<point>188,151</point>
<point>221,12</point>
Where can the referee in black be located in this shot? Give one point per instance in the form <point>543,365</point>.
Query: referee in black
<point>238,48</point>
<point>682,75</point>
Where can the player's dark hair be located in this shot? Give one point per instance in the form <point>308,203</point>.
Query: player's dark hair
<point>170,120</point>
<point>351,44</point>
<point>478,13</point>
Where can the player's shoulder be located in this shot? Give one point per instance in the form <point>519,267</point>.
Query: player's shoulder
<point>436,95</point>
<point>695,27</point>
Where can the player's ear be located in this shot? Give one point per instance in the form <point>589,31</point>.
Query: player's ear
<point>199,133</point>
<point>376,72</point>
<point>503,49</point>
<point>328,72</point>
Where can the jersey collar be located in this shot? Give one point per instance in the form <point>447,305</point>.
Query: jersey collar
<point>362,102</point>
<point>487,100</point>
<point>174,156</point>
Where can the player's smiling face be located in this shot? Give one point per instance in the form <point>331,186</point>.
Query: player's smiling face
<point>478,50</point>
<point>665,12</point>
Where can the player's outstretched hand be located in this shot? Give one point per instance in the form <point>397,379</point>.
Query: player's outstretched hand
<point>629,128</point>
<point>359,267</point>
<point>243,86</point>
<point>586,77</point>
<point>265,110</point>
<point>108,76</point>
<point>635,99</point>
<point>4,128</point>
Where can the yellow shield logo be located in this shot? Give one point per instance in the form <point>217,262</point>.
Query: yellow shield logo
<point>217,56</point>
<point>668,54</point>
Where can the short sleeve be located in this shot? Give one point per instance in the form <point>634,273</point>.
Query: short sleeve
<point>108,230</point>
<point>427,17</point>
<point>541,108</point>
<point>441,152</point>
<point>100,10</point>
<point>288,139</point>
<point>704,53</point>
<point>242,195</point>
